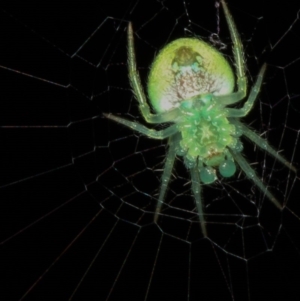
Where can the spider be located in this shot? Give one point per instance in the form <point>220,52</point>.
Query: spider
<point>190,86</point>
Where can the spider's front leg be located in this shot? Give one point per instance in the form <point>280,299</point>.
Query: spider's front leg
<point>263,144</point>
<point>251,174</point>
<point>196,188</point>
<point>167,172</point>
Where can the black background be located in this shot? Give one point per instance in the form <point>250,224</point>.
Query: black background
<point>77,192</point>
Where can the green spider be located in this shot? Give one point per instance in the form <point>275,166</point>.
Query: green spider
<point>191,85</point>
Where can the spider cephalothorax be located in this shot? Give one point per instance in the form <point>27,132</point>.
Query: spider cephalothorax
<point>191,85</point>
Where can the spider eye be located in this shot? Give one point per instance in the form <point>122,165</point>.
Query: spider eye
<point>227,168</point>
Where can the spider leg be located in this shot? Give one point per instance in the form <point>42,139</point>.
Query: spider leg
<point>165,178</point>
<point>196,188</point>
<point>252,96</point>
<point>250,173</point>
<point>161,134</point>
<point>262,143</point>
<point>137,87</point>
<point>239,62</point>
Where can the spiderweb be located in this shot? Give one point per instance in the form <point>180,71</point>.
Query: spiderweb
<point>78,191</point>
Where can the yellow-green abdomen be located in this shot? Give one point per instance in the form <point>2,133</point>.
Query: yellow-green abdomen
<point>185,68</point>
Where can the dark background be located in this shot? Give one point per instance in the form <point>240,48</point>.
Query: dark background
<point>77,192</point>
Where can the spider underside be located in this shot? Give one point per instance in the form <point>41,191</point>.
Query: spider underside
<point>204,131</point>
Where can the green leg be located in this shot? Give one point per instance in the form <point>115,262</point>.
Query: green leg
<point>263,144</point>
<point>196,188</point>
<point>238,54</point>
<point>137,87</point>
<point>250,173</point>
<point>165,178</point>
<point>151,133</point>
<point>252,96</point>
<point>241,92</point>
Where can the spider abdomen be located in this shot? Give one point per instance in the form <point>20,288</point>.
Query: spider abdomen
<point>185,68</point>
